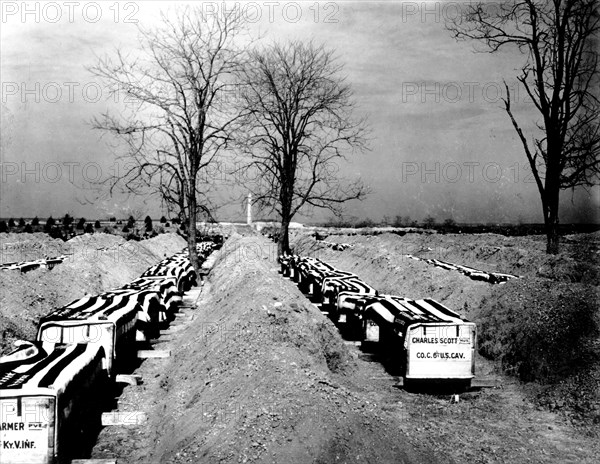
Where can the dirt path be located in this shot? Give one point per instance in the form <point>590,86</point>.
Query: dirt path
<point>260,375</point>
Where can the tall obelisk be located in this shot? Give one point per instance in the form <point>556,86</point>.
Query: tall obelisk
<point>249,210</point>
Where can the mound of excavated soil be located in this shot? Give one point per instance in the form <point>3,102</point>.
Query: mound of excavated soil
<point>260,375</point>
<point>30,247</point>
<point>95,263</point>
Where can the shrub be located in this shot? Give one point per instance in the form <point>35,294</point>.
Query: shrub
<point>429,222</point>
<point>97,225</point>
<point>3,226</point>
<point>112,219</point>
<point>89,229</point>
<point>401,221</point>
<point>148,223</point>
<point>81,224</point>
<point>367,222</point>
<point>167,225</point>
<point>125,228</point>
<point>21,222</point>
<point>28,229</point>
<point>163,220</point>
<point>449,226</point>
<point>55,232</point>
<point>67,220</point>
<point>35,221</point>
<point>11,223</point>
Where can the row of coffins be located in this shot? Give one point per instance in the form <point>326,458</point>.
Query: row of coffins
<point>475,274</point>
<point>25,266</point>
<point>49,388</point>
<point>424,339</point>
<point>336,246</point>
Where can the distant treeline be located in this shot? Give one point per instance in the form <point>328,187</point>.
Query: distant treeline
<point>68,227</point>
<point>514,229</point>
<point>450,227</point>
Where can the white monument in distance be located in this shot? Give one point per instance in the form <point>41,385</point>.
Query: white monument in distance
<point>249,210</point>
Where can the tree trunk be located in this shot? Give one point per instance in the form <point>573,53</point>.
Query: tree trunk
<point>552,246</point>
<point>552,194</point>
<point>192,234</point>
<point>284,239</point>
<point>551,223</point>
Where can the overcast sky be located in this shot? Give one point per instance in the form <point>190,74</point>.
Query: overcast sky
<point>441,143</point>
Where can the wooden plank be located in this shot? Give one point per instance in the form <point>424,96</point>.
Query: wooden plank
<point>399,382</point>
<point>172,330</point>
<point>182,315</point>
<point>144,354</point>
<point>347,342</point>
<point>475,383</point>
<point>485,382</point>
<point>94,461</point>
<point>192,294</point>
<point>124,418</point>
<point>133,379</point>
<point>387,377</point>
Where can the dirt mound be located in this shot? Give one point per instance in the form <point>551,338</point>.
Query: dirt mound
<point>579,260</point>
<point>30,247</point>
<point>164,244</point>
<point>95,263</point>
<point>548,331</point>
<point>260,375</point>
<point>539,327</point>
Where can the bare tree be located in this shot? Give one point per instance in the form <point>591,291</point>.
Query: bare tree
<point>560,40</point>
<point>299,128</point>
<point>179,116</point>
